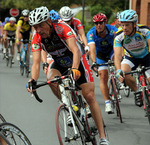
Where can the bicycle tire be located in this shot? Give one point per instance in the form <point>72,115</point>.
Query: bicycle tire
<point>27,64</point>
<point>61,113</point>
<point>116,99</point>
<point>14,134</point>
<point>146,103</point>
<point>7,61</point>
<point>126,91</point>
<point>21,68</point>
<point>10,62</point>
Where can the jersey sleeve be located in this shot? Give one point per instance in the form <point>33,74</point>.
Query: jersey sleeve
<point>19,23</point>
<point>90,37</point>
<point>36,43</point>
<point>78,24</point>
<point>117,41</point>
<point>64,31</point>
<point>6,27</point>
<point>148,35</point>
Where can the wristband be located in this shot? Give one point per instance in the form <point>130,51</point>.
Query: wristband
<point>119,72</point>
<point>45,64</point>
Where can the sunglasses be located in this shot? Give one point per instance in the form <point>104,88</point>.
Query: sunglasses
<point>96,23</point>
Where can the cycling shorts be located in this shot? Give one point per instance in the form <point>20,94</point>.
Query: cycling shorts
<point>103,58</point>
<point>84,68</point>
<point>13,41</point>
<point>135,62</point>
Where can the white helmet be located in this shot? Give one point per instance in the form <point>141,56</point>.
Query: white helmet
<point>38,15</point>
<point>66,13</point>
<point>12,19</point>
<point>25,12</point>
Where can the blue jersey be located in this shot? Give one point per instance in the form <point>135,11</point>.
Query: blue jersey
<point>103,45</point>
<point>136,45</point>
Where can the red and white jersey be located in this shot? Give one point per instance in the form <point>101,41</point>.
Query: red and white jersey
<point>56,46</point>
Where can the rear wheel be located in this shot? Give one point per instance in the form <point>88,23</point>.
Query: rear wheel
<point>21,68</point>
<point>147,103</point>
<point>64,129</point>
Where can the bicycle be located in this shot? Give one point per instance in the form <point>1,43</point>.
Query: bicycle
<point>114,88</point>
<point>24,59</point>
<point>9,52</point>
<point>143,87</point>
<point>82,129</point>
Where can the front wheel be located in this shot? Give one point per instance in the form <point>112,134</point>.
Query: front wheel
<point>65,132</point>
<point>115,93</point>
<point>21,68</point>
<point>13,134</point>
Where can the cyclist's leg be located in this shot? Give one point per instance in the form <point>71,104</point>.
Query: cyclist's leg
<point>88,93</point>
<point>87,85</point>
<point>126,65</point>
<point>53,71</point>
<point>103,75</point>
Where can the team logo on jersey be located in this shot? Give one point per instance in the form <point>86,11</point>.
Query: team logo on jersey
<point>112,32</point>
<point>138,38</point>
<point>69,33</point>
<point>104,43</point>
<point>79,25</point>
<point>127,41</point>
<point>35,46</point>
<point>91,36</point>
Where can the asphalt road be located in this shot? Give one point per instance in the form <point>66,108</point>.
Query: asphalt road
<point>37,120</point>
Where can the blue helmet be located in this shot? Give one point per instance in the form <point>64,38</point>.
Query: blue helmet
<point>7,19</point>
<point>128,16</point>
<point>54,15</point>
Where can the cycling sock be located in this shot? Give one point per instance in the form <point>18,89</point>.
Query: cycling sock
<point>108,101</point>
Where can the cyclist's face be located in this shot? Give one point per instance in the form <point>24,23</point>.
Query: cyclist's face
<point>69,22</point>
<point>12,23</point>
<point>26,18</point>
<point>127,27</point>
<point>42,29</point>
<point>100,26</point>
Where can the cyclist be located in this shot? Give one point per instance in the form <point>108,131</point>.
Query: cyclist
<point>117,22</point>
<point>100,40</point>
<point>59,40</point>
<point>66,15</point>
<point>9,31</point>
<point>1,32</point>
<point>23,31</point>
<point>135,39</point>
<point>3,24</point>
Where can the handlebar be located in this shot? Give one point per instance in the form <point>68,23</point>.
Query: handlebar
<point>56,79</point>
<point>141,69</point>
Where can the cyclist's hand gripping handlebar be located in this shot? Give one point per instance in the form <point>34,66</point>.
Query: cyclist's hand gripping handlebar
<point>31,87</point>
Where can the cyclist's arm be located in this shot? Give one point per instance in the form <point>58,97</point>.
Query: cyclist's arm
<point>92,52</point>
<point>117,57</point>
<point>148,42</point>
<point>83,37</point>
<point>5,34</point>
<point>43,56</point>
<point>35,72</point>
<point>18,32</point>
<point>75,50</point>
